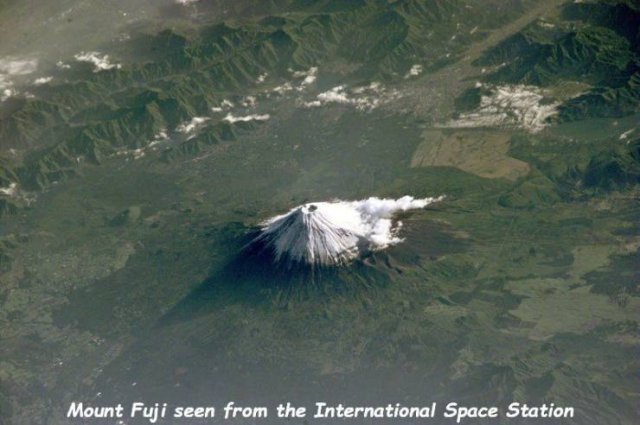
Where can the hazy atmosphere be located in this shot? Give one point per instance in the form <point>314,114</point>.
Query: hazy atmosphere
<point>363,202</point>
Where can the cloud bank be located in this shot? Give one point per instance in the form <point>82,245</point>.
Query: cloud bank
<point>335,233</point>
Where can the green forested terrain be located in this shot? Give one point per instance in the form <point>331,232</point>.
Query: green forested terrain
<point>128,194</point>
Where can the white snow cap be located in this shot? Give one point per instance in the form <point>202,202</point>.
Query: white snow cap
<point>334,233</point>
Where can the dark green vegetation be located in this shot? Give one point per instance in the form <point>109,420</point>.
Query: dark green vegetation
<point>123,280</point>
<point>592,43</point>
<point>92,115</point>
<point>618,167</point>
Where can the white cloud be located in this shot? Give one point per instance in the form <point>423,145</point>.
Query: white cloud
<point>6,92</point>
<point>225,104</point>
<point>10,191</point>
<point>11,67</point>
<point>334,233</point>
<point>509,106</point>
<point>100,61</point>
<point>304,80</point>
<point>626,134</point>
<point>309,75</point>
<point>249,102</point>
<point>414,71</point>
<point>42,80</point>
<point>230,118</point>
<point>262,78</point>
<point>363,98</point>
<point>283,88</point>
<point>190,127</point>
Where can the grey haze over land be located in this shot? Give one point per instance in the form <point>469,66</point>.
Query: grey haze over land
<point>145,144</point>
